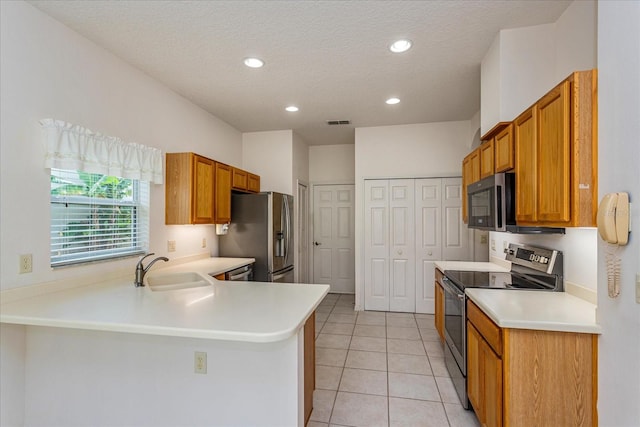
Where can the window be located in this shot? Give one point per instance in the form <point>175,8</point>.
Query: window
<point>97,217</point>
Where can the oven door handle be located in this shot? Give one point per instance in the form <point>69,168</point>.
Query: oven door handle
<point>450,288</point>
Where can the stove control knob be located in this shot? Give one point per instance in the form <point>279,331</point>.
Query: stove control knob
<point>537,258</point>
<point>544,260</point>
<point>532,257</point>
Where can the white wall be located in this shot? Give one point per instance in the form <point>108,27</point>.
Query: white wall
<point>522,64</point>
<point>619,157</point>
<point>47,70</point>
<point>270,155</point>
<point>332,163</point>
<point>576,37</point>
<point>418,150</point>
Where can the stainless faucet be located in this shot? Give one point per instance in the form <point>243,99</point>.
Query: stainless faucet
<point>141,271</point>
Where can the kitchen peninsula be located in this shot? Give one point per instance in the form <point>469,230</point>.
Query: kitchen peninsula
<point>113,354</point>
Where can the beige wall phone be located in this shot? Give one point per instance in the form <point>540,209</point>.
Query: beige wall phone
<point>613,227</point>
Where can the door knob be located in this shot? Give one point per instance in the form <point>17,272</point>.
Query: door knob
<point>317,243</point>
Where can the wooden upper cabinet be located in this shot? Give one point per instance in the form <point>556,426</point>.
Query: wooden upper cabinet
<point>553,151</point>
<point>525,163</point>
<point>239,179</point>
<point>504,150</point>
<point>222,212</point>
<point>470,174</point>
<point>487,159</point>
<point>253,183</point>
<point>189,189</point>
<point>245,181</point>
<point>556,156</point>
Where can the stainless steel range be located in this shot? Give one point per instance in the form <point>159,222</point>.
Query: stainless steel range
<point>532,268</point>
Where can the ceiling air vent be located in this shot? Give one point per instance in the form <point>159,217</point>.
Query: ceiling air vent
<point>338,122</point>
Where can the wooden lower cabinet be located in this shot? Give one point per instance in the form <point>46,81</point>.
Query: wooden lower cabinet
<point>484,379</point>
<point>309,365</point>
<point>526,377</point>
<point>439,309</point>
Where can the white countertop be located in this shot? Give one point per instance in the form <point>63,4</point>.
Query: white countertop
<point>235,311</point>
<point>470,266</point>
<point>547,311</point>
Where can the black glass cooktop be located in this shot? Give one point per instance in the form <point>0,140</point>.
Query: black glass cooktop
<point>481,279</point>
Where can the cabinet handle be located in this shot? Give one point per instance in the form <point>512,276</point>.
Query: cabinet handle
<point>317,243</point>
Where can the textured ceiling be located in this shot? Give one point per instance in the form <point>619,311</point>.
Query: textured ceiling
<point>330,58</point>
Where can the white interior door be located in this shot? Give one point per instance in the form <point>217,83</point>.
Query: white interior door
<point>428,201</point>
<point>456,236</point>
<point>302,261</point>
<point>376,245</point>
<point>334,236</point>
<point>402,279</point>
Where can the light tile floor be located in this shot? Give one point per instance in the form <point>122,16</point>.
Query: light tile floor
<point>381,369</point>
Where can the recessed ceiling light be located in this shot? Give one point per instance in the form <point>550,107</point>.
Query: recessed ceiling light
<point>292,108</point>
<point>392,101</point>
<point>253,62</point>
<point>400,46</point>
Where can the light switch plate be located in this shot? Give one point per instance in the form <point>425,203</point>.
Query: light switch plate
<point>171,246</point>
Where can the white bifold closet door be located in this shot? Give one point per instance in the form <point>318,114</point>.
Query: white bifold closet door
<point>440,233</point>
<point>410,224</point>
<point>390,245</point>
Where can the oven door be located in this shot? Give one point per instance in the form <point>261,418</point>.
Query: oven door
<point>454,323</point>
<point>455,351</point>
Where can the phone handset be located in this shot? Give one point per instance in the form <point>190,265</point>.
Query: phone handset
<point>613,218</point>
<point>613,227</point>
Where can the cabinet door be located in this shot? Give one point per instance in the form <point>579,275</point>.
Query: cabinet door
<point>222,193</point>
<point>474,371</point>
<point>487,161</point>
<point>439,316</point>
<point>526,155</point>
<point>309,365</point>
<point>202,210</point>
<point>466,180</point>
<point>239,179</point>
<point>376,245</point>
<point>470,174</point>
<point>402,279</point>
<point>484,379</point>
<point>493,391</point>
<point>503,149</point>
<point>253,183</point>
<point>553,155</point>
<point>428,215</point>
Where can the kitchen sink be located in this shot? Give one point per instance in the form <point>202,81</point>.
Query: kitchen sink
<point>175,281</point>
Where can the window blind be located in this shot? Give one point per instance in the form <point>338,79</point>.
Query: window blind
<point>96,217</point>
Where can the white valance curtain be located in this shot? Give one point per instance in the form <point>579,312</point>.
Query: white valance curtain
<point>74,147</point>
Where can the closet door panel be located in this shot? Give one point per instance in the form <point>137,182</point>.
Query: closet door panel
<point>402,248</point>
<point>376,245</point>
<point>428,201</point>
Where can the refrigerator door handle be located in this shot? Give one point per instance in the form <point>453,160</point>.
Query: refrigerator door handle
<point>287,230</point>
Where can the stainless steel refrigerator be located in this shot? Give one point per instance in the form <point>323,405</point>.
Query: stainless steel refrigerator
<point>262,228</point>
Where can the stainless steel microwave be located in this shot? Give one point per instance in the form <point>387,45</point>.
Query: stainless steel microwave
<point>491,202</point>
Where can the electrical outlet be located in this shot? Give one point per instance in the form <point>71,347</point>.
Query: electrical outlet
<point>493,244</point>
<point>171,245</point>
<point>204,242</point>
<point>26,263</point>
<point>200,362</point>
<point>483,239</point>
